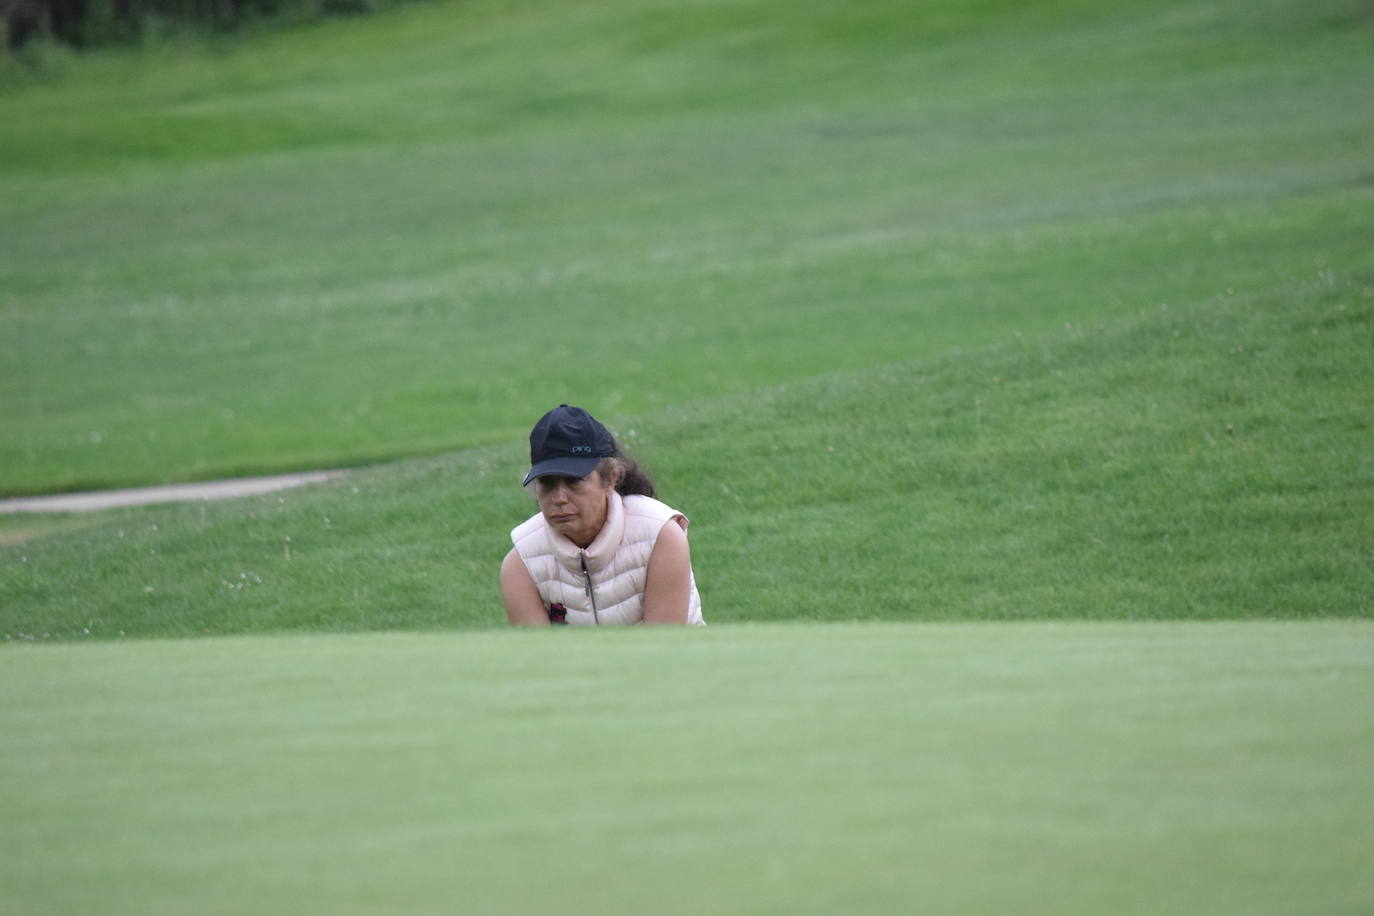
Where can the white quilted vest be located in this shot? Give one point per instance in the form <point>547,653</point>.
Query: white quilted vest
<point>603,584</point>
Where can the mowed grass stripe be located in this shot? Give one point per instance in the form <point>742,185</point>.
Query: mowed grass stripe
<point>392,237</point>
<point>1046,768</point>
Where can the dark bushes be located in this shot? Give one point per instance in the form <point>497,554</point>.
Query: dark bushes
<point>83,23</point>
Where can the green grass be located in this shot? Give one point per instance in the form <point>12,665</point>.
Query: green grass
<point>988,312</point>
<point>1188,462</point>
<point>1057,313</point>
<point>1040,768</point>
<point>413,233</point>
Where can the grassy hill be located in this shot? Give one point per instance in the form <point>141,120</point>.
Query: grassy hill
<point>945,311</point>
<point>412,233</point>
<point>1184,462</point>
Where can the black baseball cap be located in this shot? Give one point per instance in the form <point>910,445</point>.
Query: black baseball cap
<point>569,442</point>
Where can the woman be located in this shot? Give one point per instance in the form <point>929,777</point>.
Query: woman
<point>600,550</point>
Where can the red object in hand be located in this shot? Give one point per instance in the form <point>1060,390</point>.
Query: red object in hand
<point>558,614</point>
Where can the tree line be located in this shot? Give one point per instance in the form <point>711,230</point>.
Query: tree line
<point>87,23</point>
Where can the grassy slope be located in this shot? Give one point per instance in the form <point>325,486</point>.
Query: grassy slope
<point>1055,769</point>
<point>416,232</point>
<point>1184,462</point>
<point>1043,355</point>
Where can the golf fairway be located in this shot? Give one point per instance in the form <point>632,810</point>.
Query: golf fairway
<point>971,768</point>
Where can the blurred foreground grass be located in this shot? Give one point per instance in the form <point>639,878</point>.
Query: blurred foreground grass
<point>1042,769</point>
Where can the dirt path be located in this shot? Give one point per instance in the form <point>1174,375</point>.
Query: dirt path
<point>185,492</point>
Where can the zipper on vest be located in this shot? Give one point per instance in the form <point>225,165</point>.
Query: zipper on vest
<point>591,595</point>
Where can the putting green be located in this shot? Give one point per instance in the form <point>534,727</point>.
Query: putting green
<point>975,768</point>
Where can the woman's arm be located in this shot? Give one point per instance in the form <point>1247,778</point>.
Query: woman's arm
<point>524,607</point>
<point>668,580</point>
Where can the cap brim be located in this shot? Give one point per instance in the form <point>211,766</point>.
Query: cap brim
<point>563,467</point>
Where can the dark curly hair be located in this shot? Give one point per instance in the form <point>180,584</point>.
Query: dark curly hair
<point>630,479</point>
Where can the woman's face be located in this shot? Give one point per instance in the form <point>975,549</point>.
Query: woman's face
<point>575,507</point>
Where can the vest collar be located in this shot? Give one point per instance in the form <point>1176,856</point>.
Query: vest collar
<point>600,551</point>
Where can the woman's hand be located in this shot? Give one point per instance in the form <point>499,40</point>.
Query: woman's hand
<point>668,580</point>
<point>524,607</point>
